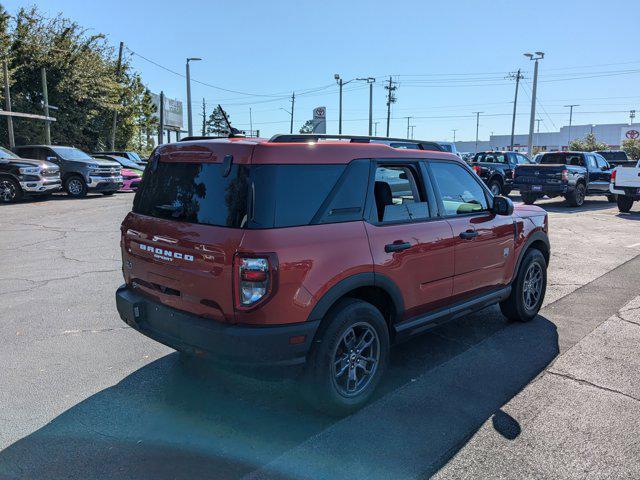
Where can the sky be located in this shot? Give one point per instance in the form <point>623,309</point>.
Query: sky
<point>449,59</point>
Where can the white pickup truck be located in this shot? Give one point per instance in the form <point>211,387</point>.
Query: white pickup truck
<point>625,185</point>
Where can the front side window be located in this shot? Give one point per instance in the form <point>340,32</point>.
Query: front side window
<point>601,162</point>
<point>397,194</point>
<point>6,154</point>
<point>459,191</point>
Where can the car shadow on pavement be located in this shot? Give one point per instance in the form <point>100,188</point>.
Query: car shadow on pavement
<point>170,420</point>
<point>560,206</point>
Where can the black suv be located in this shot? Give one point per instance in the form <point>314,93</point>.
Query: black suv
<point>80,172</point>
<point>496,169</point>
<point>20,176</point>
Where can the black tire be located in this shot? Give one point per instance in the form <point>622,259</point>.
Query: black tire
<point>611,198</point>
<point>624,203</point>
<point>521,305</point>
<point>75,186</point>
<point>506,191</point>
<point>529,198</point>
<point>10,190</point>
<point>495,186</point>
<point>323,387</point>
<point>108,193</point>
<point>576,198</point>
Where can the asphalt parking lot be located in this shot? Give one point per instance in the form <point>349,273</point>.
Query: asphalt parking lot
<point>82,395</point>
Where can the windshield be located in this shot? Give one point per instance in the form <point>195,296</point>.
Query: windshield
<point>134,156</point>
<point>4,153</point>
<point>125,162</point>
<point>71,153</point>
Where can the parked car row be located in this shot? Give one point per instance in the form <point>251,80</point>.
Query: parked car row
<point>40,170</point>
<point>573,175</point>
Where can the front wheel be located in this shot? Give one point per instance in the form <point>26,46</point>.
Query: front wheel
<point>348,359</point>
<point>76,186</point>
<point>10,190</point>
<point>624,203</point>
<point>496,187</point>
<point>528,289</point>
<point>529,198</point>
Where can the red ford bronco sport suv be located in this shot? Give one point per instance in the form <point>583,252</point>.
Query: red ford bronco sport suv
<point>320,253</point>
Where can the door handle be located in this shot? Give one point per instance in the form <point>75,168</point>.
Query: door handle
<point>396,246</point>
<point>468,235</point>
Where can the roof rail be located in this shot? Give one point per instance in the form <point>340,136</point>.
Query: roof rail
<point>195,137</point>
<point>311,137</point>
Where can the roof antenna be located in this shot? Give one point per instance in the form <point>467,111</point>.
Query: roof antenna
<point>233,132</point>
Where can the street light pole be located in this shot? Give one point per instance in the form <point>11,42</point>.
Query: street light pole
<point>189,119</point>
<point>408,126</point>
<point>477,128</point>
<point>454,130</point>
<point>532,120</point>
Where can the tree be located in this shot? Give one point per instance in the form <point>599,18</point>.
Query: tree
<point>307,127</point>
<point>82,82</point>
<point>216,124</point>
<point>204,117</point>
<point>587,144</point>
<point>632,147</point>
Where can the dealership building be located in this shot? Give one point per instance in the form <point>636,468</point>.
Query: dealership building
<point>612,134</point>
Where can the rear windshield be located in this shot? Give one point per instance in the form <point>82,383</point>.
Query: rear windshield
<point>254,197</point>
<point>563,158</point>
<point>489,157</point>
<point>614,156</point>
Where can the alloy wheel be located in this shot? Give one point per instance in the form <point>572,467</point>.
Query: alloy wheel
<point>74,186</point>
<point>495,189</point>
<point>355,359</point>
<point>532,287</point>
<point>7,191</point>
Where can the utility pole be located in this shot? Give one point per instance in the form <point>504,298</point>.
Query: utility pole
<point>293,104</point>
<point>45,98</point>
<point>538,131</point>
<point>112,140</point>
<point>408,126</point>
<point>340,84</point>
<point>7,104</point>
<point>375,132</point>
<point>370,81</point>
<point>189,119</point>
<point>538,56</point>
<point>391,98</point>
<point>477,128</point>
<point>517,76</point>
<point>570,118</point>
<point>250,123</point>
<point>412,128</point>
<point>454,130</point>
<point>204,117</point>
<point>161,124</point>
<point>632,113</point>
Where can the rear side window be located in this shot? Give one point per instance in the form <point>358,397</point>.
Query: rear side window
<point>563,159</point>
<point>491,158</point>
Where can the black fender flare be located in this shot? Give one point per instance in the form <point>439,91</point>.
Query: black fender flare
<point>365,279</point>
<point>535,236</point>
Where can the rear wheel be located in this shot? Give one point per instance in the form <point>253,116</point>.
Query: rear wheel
<point>624,203</point>
<point>496,187</point>
<point>10,190</point>
<point>576,198</point>
<point>348,358</point>
<point>76,186</point>
<point>528,289</point>
<point>529,198</point>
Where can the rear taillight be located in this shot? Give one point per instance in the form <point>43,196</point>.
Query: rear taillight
<point>565,175</point>
<point>255,278</point>
<point>477,169</point>
<point>613,177</point>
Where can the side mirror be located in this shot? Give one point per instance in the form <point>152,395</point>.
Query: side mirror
<point>52,159</point>
<point>502,205</point>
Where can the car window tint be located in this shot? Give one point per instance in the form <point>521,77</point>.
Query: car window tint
<point>397,195</point>
<point>522,160</point>
<point>345,203</point>
<point>459,191</point>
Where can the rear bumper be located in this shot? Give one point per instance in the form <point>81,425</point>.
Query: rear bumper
<point>626,191</point>
<point>252,348</point>
<point>552,189</point>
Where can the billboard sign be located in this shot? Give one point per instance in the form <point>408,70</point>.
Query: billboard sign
<point>172,112</point>
<point>629,132</point>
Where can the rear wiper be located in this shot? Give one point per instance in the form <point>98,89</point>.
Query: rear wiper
<point>177,211</point>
